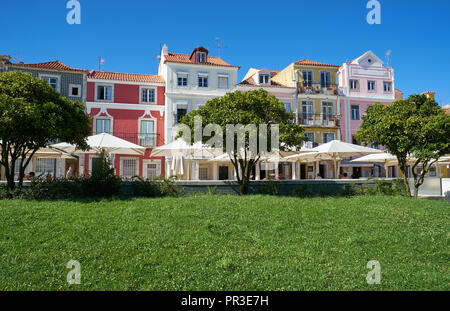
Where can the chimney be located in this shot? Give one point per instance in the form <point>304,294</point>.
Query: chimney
<point>165,50</point>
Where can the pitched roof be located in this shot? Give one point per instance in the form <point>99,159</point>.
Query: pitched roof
<point>54,65</point>
<point>308,62</point>
<point>251,83</point>
<point>186,59</point>
<point>130,77</point>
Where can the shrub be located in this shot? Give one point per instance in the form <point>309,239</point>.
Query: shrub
<point>103,181</point>
<point>269,188</point>
<point>41,188</point>
<point>159,187</point>
<point>380,187</point>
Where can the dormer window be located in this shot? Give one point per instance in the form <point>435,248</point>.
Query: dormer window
<point>201,57</point>
<point>263,79</point>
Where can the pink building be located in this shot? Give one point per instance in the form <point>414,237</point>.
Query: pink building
<point>363,82</point>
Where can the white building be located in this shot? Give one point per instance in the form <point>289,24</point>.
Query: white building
<point>191,80</point>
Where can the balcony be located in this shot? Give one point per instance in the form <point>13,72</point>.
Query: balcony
<point>326,120</point>
<point>318,88</point>
<point>148,140</point>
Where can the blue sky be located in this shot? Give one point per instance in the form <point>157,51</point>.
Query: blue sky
<point>268,34</point>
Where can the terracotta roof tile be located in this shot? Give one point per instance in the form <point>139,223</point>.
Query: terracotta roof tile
<point>54,65</point>
<point>130,77</point>
<point>308,62</point>
<point>185,59</point>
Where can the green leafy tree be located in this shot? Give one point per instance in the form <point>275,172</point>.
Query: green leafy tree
<point>415,127</point>
<point>247,108</point>
<point>32,114</point>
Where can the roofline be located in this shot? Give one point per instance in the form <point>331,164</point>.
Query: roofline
<point>74,70</point>
<point>202,64</point>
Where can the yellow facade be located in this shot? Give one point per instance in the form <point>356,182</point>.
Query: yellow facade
<point>318,110</point>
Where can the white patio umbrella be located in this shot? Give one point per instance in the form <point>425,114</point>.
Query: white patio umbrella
<point>104,142</point>
<point>384,158</point>
<point>178,165</point>
<point>180,148</point>
<point>335,151</point>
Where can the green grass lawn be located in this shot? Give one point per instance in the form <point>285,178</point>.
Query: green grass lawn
<point>226,243</point>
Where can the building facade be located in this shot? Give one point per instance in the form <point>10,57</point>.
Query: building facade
<point>317,106</point>
<point>131,107</point>
<point>70,83</point>
<point>191,80</point>
<point>363,82</point>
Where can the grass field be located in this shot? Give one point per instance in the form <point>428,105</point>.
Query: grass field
<point>226,243</point>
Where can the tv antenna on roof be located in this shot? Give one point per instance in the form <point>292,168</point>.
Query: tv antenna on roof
<point>388,58</point>
<point>16,57</point>
<point>101,64</point>
<point>220,45</point>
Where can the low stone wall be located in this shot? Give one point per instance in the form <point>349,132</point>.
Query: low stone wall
<point>284,187</point>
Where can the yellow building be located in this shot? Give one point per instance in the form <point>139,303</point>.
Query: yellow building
<point>318,107</point>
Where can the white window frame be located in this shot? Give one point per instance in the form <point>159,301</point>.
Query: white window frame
<point>71,87</point>
<point>223,76</point>
<point>351,113</point>
<point>50,166</point>
<point>45,77</point>
<point>147,88</point>
<point>135,159</point>
<point>290,106</point>
<point>266,77</point>
<point>384,86</point>
<point>155,124</point>
<point>200,172</point>
<point>200,57</point>
<point>202,76</point>
<point>103,118</point>
<point>374,86</point>
<point>307,103</point>
<point>145,170</point>
<point>327,133</point>
<point>185,75</point>
<point>97,85</point>
<point>328,74</point>
<point>356,81</point>
<point>311,82</point>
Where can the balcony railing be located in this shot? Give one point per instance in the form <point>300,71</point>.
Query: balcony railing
<point>317,88</point>
<point>328,120</point>
<point>148,140</point>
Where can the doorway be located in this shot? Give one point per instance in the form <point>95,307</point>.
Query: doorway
<point>302,171</point>
<point>322,170</point>
<point>223,173</point>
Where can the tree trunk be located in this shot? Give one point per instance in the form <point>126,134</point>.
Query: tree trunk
<point>416,191</point>
<point>243,187</point>
<point>405,181</point>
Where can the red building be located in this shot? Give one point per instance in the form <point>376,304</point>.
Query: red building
<point>131,107</point>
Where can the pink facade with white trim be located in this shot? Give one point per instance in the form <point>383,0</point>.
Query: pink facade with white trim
<point>362,83</point>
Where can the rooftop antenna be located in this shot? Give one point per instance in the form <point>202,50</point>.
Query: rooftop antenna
<point>220,45</point>
<point>16,57</point>
<point>101,64</point>
<point>388,58</point>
